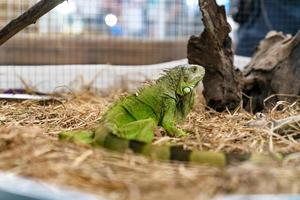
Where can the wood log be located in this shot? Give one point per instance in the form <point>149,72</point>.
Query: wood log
<point>213,50</point>
<point>272,75</point>
<point>274,71</point>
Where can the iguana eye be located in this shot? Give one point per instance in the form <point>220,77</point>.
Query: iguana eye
<point>194,69</point>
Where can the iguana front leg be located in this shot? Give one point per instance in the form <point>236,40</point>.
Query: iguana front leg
<point>141,130</point>
<point>168,120</point>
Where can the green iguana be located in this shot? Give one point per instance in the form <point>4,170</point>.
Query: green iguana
<point>130,123</point>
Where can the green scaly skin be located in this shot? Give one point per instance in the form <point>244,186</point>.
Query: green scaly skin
<point>130,123</point>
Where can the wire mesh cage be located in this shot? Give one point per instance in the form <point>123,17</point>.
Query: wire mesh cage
<point>128,32</point>
<point>90,32</point>
<point>103,44</point>
<point>124,32</point>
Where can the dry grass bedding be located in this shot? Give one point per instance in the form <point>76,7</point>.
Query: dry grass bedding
<point>29,147</point>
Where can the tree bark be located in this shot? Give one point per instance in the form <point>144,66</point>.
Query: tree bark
<point>272,75</point>
<point>213,50</point>
<point>27,18</point>
<point>274,71</point>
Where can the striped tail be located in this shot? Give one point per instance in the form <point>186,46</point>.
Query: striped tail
<point>103,138</point>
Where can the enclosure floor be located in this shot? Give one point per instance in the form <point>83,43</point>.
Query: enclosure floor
<point>29,147</point>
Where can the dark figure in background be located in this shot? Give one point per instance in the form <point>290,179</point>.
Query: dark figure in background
<point>257,17</point>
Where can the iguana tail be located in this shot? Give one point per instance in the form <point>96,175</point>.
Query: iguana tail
<point>164,153</point>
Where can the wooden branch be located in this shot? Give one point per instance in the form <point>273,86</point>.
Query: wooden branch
<point>213,50</point>
<point>27,18</point>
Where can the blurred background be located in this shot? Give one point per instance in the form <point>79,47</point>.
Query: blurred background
<point>107,31</point>
<point>82,38</point>
<point>134,32</point>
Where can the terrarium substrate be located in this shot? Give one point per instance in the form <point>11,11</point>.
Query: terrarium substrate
<point>29,147</point>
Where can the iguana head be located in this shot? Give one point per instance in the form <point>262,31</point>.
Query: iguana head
<point>191,75</point>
